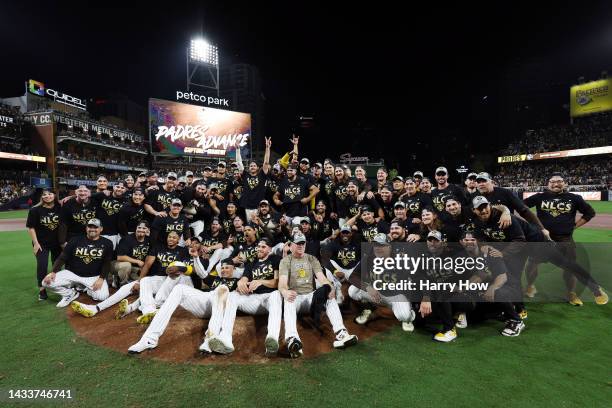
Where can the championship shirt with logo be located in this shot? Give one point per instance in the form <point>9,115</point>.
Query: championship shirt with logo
<point>166,225</point>
<point>262,270</point>
<point>75,216</point>
<point>440,195</point>
<point>209,239</point>
<point>107,211</point>
<point>557,212</point>
<point>164,256</point>
<point>253,189</point>
<point>130,246</point>
<point>415,204</point>
<point>506,197</point>
<point>86,257</point>
<point>291,193</point>
<point>347,255</point>
<point>369,231</point>
<point>160,200</point>
<point>45,221</point>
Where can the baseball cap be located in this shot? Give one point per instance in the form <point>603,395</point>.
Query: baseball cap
<point>478,201</point>
<point>138,190</point>
<point>182,179</point>
<point>305,219</point>
<point>380,239</point>
<point>222,164</point>
<point>472,175</point>
<point>207,168</point>
<point>262,202</point>
<point>197,238</point>
<point>483,176</point>
<point>400,178</point>
<point>171,174</point>
<point>234,164</point>
<point>299,238</point>
<point>189,173</point>
<point>418,174</point>
<point>142,173</point>
<point>346,228</point>
<point>434,234</point>
<point>213,186</point>
<point>317,165</point>
<point>266,241</point>
<point>276,167</point>
<point>305,160</point>
<point>94,222</point>
<point>176,201</point>
<point>399,204</point>
<point>441,169</point>
<point>366,208</point>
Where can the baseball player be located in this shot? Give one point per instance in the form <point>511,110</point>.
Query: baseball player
<point>345,256</point>
<point>108,204</point>
<point>399,304</point>
<point>256,294</point>
<point>297,273</point>
<point>174,221</point>
<point>87,263</point>
<point>75,214</point>
<point>201,304</point>
<point>131,254</point>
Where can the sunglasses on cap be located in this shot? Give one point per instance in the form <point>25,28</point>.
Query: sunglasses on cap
<point>441,173</point>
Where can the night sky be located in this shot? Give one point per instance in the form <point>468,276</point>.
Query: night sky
<point>373,76</point>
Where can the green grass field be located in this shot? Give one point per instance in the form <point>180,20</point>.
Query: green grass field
<point>562,360</point>
<point>16,214</point>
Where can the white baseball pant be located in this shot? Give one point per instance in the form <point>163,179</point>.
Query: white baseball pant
<point>114,239</point>
<point>399,304</point>
<point>66,282</point>
<point>195,301</point>
<point>219,255</point>
<point>332,278</point>
<point>253,304</point>
<point>301,304</point>
<point>155,289</point>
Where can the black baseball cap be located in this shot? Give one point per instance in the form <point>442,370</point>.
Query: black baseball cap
<point>400,178</point>
<point>305,160</point>
<point>266,241</point>
<point>207,168</point>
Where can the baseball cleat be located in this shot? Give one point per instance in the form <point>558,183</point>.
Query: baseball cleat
<point>574,300</point>
<point>344,339</point>
<point>205,347</point>
<point>146,318</point>
<point>42,295</point>
<point>446,337</point>
<point>531,291</point>
<point>142,345</point>
<point>407,326</point>
<point>220,345</point>
<point>461,321</point>
<point>364,316</point>
<point>122,310</point>
<point>602,298</point>
<point>294,346</point>
<point>271,346</point>
<point>83,309</point>
<point>513,328</point>
<point>67,299</point>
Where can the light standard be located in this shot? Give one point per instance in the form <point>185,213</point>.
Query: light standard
<point>203,57</point>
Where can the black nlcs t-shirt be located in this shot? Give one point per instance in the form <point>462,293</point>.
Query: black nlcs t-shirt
<point>107,211</point>
<point>45,221</point>
<point>415,204</point>
<point>347,256</point>
<point>291,193</point>
<point>501,195</point>
<point>369,231</point>
<point>493,233</point>
<point>557,212</point>
<point>209,240</point>
<point>160,200</point>
<point>262,270</point>
<point>131,215</point>
<point>86,257</point>
<point>164,256</point>
<point>439,196</point>
<point>75,216</point>
<point>166,225</point>
<point>253,189</point>
<point>129,246</point>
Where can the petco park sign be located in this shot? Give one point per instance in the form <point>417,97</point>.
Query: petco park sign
<point>209,100</point>
<point>38,88</point>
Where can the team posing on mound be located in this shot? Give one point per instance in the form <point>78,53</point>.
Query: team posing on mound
<point>282,240</point>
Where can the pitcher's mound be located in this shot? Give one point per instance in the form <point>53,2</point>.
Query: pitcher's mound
<point>184,334</point>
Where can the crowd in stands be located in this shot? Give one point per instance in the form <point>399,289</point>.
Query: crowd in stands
<point>7,110</point>
<point>594,172</point>
<point>112,142</point>
<point>591,131</point>
<point>11,189</point>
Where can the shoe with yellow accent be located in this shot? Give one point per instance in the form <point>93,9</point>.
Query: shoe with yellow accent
<point>446,337</point>
<point>123,307</point>
<point>83,310</point>
<point>531,291</point>
<point>602,298</point>
<point>523,314</point>
<point>461,319</point>
<point>573,299</point>
<point>146,318</point>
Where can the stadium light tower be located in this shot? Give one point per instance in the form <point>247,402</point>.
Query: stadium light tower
<point>202,65</point>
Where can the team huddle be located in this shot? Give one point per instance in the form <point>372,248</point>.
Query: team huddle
<point>286,239</point>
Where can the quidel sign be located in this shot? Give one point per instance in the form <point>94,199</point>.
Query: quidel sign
<point>38,88</point>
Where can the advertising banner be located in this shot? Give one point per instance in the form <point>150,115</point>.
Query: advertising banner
<point>592,97</point>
